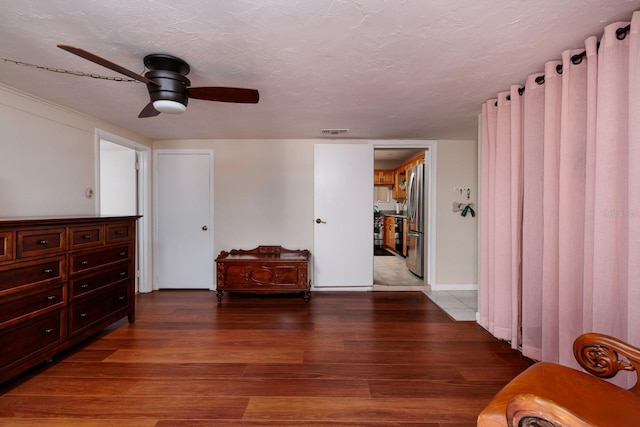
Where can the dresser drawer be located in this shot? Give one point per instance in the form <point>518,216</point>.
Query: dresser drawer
<point>21,304</point>
<point>86,237</point>
<point>29,337</point>
<point>6,246</point>
<point>31,273</point>
<point>88,311</point>
<point>85,261</point>
<point>120,232</point>
<point>38,243</point>
<point>85,284</point>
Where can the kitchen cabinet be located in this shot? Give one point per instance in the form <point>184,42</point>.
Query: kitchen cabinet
<point>383,177</point>
<point>417,160</point>
<point>390,232</point>
<point>400,184</point>
<point>401,179</point>
<point>61,281</point>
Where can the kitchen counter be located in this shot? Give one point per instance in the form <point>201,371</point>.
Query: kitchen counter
<point>394,214</point>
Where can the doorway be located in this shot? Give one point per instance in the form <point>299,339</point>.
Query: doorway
<point>390,272</point>
<point>123,188</point>
<point>118,179</point>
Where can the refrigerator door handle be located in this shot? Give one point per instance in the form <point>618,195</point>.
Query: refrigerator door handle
<point>411,206</point>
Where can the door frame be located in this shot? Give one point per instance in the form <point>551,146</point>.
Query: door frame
<point>430,160</point>
<point>143,272</point>
<point>211,154</point>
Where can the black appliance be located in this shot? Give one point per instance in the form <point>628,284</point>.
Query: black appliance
<point>378,225</point>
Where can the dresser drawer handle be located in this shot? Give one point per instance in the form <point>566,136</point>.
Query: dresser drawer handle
<point>120,233</point>
<point>84,314</point>
<point>121,298</point>
<point>123,273</point>
<point>84,285</point>
<point>87,237</point>
<point>84,262</point>
<point>48,330</point>
<point>47,270</point>
<point>43,242</point>
<point>123,254</point>
<point>51,297</point>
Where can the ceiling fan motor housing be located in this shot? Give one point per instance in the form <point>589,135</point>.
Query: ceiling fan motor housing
<point>172,86</point>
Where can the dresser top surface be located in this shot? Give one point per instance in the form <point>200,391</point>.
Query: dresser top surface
<point>62,219</point>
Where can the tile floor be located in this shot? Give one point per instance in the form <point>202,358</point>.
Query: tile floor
<point>391,273</point>
<point>461,305</point>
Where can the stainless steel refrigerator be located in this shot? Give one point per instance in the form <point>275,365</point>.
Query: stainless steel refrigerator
<point>416,224</point>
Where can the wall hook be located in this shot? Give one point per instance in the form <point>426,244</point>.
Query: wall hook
<point>464,208</point>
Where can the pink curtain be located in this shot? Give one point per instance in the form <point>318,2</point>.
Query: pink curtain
<point>560,200</point>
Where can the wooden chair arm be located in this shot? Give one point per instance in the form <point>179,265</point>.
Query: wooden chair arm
<point>529,410</point>
<point>599,355</point>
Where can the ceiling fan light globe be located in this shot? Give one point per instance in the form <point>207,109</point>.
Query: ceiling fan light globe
<point>169,107</point>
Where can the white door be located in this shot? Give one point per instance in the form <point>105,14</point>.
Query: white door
<point>343,209</point>
<point>184,212</point>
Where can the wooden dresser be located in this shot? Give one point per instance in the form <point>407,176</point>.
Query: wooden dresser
<point>61,280</point>
<point>265,269</point>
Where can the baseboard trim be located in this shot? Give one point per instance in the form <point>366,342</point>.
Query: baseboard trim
<point>454,287</point>
<point>342,288</point>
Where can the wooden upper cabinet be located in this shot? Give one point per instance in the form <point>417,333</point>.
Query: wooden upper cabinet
<point>402,176</point>
<point>418,160</point>
<point>398,178</point>
<point>400,184</point>
<point>383,176</point>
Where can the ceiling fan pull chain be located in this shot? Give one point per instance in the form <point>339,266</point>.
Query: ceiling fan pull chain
<point>70,72</point>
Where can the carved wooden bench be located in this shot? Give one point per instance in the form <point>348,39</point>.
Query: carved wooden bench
<point>552,395</point>
<point>265,269</point>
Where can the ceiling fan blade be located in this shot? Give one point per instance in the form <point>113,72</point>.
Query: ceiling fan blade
<point>148,111</point>
<point>106,63</point>
<point>225,94</point>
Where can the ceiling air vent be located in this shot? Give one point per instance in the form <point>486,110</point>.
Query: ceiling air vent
<point>333,131</point>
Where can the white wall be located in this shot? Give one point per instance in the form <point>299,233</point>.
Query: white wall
<point>263,191</point>
<point>457,236</point>
<point>47,157</point>
<point>264,195</point>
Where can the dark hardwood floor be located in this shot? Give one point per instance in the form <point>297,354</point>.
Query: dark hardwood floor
<point>343,359</point>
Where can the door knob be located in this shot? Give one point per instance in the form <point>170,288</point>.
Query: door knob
<point>319,221</point>
<point>205,228</point>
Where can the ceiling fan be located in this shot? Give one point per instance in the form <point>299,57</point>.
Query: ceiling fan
<point>168,86</point>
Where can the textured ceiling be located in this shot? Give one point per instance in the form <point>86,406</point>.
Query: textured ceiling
<point>384,69</point>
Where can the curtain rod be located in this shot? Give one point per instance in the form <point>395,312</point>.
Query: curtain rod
<point>621,34</point>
